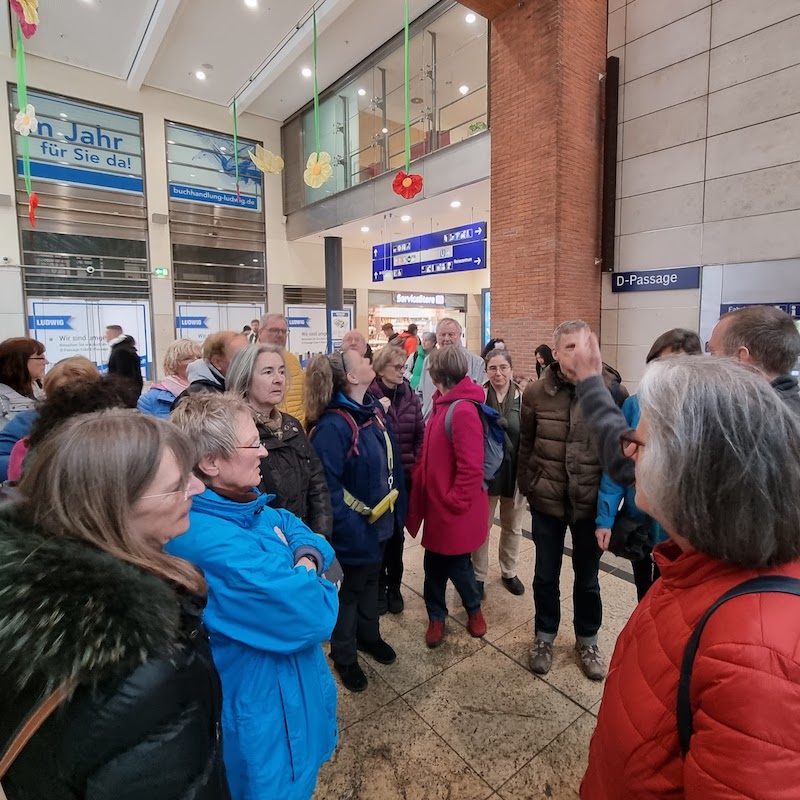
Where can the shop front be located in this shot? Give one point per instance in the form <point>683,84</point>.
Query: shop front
<point>404,308</point>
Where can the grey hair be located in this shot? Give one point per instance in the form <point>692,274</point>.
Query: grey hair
<point>571,326</point>
<point>209,419</point>
<point>447,321</point>
<point>243,365</point>
<point>272,315</point>
<point>721,464</point>
<point>429,336</point>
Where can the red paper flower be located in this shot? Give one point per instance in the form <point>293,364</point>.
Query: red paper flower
<point>407,185</point>
<point>27,12</point>
<point>33,203</point>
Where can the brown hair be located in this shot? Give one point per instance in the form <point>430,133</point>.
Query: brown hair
<point>678,340</point>
<point>325,376</point>
<point>69,370</point>
<point>217,344</point>
<point>768,333</point>
<point>84,480</point>
<point>448,366</point>
<point>14,356</point>
<point>387,357</point>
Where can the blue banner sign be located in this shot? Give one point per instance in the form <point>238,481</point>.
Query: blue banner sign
<point>198,323</point>
<point>298,322</point>
<point>453,250</point>
<point>57,323</point>
<point>656,280</point>
<point>792,309</point>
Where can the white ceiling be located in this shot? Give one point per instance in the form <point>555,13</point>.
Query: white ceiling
<point>162,43</point>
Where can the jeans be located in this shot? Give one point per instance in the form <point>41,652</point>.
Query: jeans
<point>645,574</point>
<point>358,619</point>
<point>548,536</point>
<point>510,538</point>
<point>438,569</point>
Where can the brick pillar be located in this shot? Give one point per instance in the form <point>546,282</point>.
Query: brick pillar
<point>547,126</point>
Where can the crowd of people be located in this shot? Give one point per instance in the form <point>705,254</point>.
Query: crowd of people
<point>171,562</point>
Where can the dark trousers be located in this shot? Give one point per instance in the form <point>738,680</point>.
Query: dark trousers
<point>358,619</point>
<point>392,567</point>
<point>645,574</point>
<point>459,569</point>
<point>548,536</point>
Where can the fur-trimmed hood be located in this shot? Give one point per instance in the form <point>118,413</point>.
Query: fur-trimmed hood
<point>69,611</point>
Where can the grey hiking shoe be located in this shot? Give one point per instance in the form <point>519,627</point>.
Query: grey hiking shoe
<point>540,657</point>
<point>591,661</point>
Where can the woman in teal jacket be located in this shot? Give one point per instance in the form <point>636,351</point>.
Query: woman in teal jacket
<point>270,607</point>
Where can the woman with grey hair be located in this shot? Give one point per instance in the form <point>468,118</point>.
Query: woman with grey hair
<point>717,459</point>
<point>293,472</point>
<point>269,608</point>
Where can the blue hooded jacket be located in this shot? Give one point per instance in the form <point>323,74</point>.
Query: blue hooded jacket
<point>266,620</point>
<point>18,428</point>
<point>365,474</point>
<point>158,402</point>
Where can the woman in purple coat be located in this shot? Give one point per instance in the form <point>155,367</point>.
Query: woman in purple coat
<point>403,408</point>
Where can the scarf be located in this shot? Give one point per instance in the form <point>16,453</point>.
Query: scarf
<point>172,383</point>
<point>273,423</point>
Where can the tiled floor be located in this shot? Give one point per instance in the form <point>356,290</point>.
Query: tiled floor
<point>468,720</point>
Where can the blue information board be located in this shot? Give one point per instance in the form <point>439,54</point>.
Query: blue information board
<point>791,308</point>
<point>453,250</point>
<point>656,280</point>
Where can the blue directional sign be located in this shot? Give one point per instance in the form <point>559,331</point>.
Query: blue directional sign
<point>791,308</point>
<point>453,250</point>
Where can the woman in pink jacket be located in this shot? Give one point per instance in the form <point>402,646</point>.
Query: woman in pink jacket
<point>448,493</point>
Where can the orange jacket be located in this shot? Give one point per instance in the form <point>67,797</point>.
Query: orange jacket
<point>410,342</point>
<point>745,691</point>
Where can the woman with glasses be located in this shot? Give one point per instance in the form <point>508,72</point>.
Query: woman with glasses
<point>505,397</point>
<point>90,604</point>
<point>269,608</point>
<point>404,410</point>
<point>158,400</point>
<point>22,367</point>
<point>293,472</point>
<point>363,468</point>
<point>717,461</point>
<point>615,501</point>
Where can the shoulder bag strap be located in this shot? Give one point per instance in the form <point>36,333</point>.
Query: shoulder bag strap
<point>30,725</point>
<point>448,419</point>
<point>766,583</point>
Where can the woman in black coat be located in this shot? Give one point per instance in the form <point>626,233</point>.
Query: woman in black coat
<point>292,471</point>
<point>404,411</point>
<point>88,598</point>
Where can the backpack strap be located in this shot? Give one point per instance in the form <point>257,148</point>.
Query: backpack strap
<point>353,428</point>
<point>782,584</point>
<point>448,419</point>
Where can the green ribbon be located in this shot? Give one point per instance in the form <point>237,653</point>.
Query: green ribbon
<point>408,92</point>
<point>236,148</point>
<point>22,96</point>
<point>316,89</point>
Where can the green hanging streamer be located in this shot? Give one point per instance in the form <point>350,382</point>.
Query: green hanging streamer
<point>408,93</point>
<point>236,149</point>
<point>22,96</point>
<point>316,89</point>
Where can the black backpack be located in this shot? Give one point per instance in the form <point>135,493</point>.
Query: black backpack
<point>766,583</point>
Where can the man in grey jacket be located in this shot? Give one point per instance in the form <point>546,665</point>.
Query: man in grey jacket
<point>448,334</point>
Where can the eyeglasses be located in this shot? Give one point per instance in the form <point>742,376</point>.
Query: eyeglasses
<point>185,492</point>
<point>249,446</point>
<point>630,444</point>
<point>398,367</point>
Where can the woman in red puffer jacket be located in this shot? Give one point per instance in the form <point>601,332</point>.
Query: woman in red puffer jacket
<point>717,460</point>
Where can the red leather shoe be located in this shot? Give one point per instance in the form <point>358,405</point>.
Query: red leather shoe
<point>435,633</point>
<point>476,624</point>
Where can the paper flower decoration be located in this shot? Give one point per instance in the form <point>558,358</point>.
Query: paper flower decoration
<point>318,169</point>
<point>407,185</point>
<point>33,204</point>
<point>266,160</point>
<point>27,12</point>
<point>26,121</point>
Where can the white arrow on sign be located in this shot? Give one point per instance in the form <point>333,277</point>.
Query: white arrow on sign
<point>478,261</point>
<point>479,231</point>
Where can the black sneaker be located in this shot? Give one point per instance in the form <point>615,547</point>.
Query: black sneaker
<point>394,601</point>
<point>382,652</point>
<point>481,589</point>
<point>352,676</point>
<point>514,585</point>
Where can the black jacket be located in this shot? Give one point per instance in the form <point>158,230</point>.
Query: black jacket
<point>124,361</point>
<point>294,474</point>
<point>788,391</point>
<point>144,720</point>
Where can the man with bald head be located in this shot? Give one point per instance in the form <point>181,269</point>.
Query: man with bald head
<point>354,340</point>
<point>274,329</point>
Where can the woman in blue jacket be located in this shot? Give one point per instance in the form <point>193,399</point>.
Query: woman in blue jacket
<point>362,464</point>
<point>270,607</point>
<point>614,499</point>
<point>161,395</point>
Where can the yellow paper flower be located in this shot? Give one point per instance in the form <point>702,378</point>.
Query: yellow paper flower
<point>30,9</point>
<point>266,160</point>
<point>318,169</point>
<point>26,121</point>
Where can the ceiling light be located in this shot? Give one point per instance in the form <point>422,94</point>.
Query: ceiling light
<point>464,89</point>
<point>362,92</point>
<point>455,204</point>
<point>470,18</point>
<point>405,218</point>
<point>169,161</point>
<point>251,3</point>
<point>384,130</point>
<point>364,229</point>
<point>62,115</point>
<point>170,141</point>
<point>255,261</point>
<point>222,149</point>
<point>200,75</point>
<point>192,175</point>
<point>306,72</point>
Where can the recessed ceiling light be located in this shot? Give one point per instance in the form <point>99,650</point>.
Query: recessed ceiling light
<point>384,130</point>
<point>306,72</point>
<point>364,229</point>
<point>405,218</point>
<point>455,204</point>
<point>192,175</point>
<point>200,75</point>
<point>362,92</point>
<point>62,115</point>
<point>251,3</point>
<point>470,18</point>
<point>464,89</point>
<point>222,149</point>
<point>255,261</point>
<point>169,161</point>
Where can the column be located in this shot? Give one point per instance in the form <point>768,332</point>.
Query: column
<point>334,286</point>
